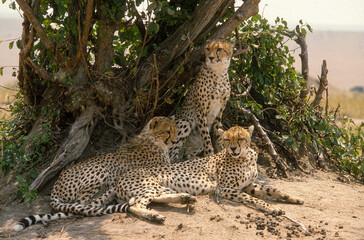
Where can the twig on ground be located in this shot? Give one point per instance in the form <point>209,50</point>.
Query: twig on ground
<point>296,222</point>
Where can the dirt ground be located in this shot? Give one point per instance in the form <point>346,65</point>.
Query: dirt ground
<point>333,209</point>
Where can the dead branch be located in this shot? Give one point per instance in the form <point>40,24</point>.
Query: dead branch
<point>241,50</point>
<point>72,148</point>
<point>157,87</point>
<point>246,92</point>
<point>301,41</point>
<point>38,27</point>
<point>296,222</point>
<point>321,159</point>
<point>276,158</point>
<point>323,84</point>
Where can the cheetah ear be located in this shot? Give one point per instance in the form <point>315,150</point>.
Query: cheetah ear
<point>153,123</point>
<point>250,130</point>
<point>220,131</point>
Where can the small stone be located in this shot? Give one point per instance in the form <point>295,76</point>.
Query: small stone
<point>336,234</point>
<point>326,223</point>
<point>180,226</point>
<point>341,226</point>
<point>237,216</point>
<point>355,217</point>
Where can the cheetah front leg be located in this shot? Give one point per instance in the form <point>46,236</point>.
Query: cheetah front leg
<point>184,130</point>
<point>205,134</point>
<point>217,131</point>
<point>258,190</point>
<point>237,195</point>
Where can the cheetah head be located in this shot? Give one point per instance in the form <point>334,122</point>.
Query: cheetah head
<point>237,141</point>
<point>218,53</point>
<point>163,129</point>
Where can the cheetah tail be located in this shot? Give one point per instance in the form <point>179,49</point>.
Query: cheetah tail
<point>33,219</point>
<point>67,210</point>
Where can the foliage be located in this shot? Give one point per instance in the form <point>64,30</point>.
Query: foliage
<point>15,155</point>
<point>275,100</point>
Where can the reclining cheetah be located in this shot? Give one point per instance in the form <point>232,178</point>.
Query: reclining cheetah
<point>230,174</point>
<point>79,183</point>
<point>204,104</point>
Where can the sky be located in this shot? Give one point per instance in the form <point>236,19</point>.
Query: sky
<point>320,14</point>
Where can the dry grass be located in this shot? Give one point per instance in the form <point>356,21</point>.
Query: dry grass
<point>351,103</point>
<point>6,94</point>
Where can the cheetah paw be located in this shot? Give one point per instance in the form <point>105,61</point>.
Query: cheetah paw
<point>188,199</point>
<point>157,218</point>
<point>299,201</point>
<point>277,211</point>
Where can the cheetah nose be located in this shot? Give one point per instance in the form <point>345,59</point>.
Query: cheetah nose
<point>211,58</point>
<point>233,149</point>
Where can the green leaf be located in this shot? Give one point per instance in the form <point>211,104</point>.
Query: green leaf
<point>170,11</point>
<point>18,44</point>
<point>11,45</point>
<point>289,141</point>
<point>152,6</point>
<point>304,32</point>
<point>301,22</point>
<point>309,28</point>
<point>153,27</point>
<point>1,71</point>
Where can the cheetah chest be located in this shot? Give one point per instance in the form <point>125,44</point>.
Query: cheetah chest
<point>216,102</point>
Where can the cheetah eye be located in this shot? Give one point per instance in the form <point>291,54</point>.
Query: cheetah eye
<point>208,49</point>
<point>219,49</point>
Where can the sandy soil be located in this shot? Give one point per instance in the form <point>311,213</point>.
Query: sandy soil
<point>332,210</point>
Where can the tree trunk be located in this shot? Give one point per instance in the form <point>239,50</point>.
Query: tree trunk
<point>81,88</point>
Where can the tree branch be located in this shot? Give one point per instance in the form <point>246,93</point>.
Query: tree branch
<point>276,158</point>
<point>177,43</point>
<point>301,41</point>
<point>41,72</point>
<point>38,27</point>
<point>72,148</point>
<point>323,84</point>
<point>85,33</point>
<point>245,11</point>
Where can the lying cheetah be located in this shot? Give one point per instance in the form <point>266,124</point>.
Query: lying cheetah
<point>204,103</point>
<point>78,184</point>
<point>230,174</point>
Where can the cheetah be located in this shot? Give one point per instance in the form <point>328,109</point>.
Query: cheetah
<point>230,174</point>
<point>204,103</point>
<point>78,184</point>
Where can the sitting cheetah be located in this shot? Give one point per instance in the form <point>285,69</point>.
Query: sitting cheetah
<point>204,103</point>
<point>230,174</point>
<point>79,183</point>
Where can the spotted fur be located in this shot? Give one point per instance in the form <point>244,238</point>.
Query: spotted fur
<point>230,174</point>
<point>77,185</point>
<point>204,103</point>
